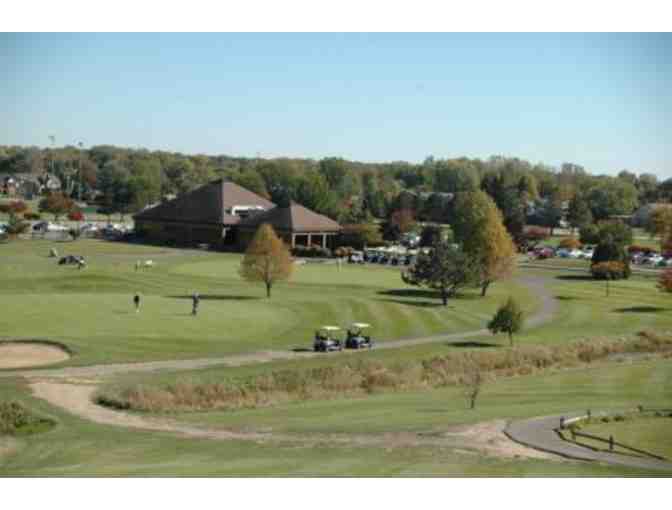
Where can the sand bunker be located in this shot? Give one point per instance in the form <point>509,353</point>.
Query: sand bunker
<point>27,354</point>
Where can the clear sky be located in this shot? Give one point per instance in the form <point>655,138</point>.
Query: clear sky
<point>600,100</point>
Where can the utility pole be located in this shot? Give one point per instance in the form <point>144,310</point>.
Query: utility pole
<point>80,144</point>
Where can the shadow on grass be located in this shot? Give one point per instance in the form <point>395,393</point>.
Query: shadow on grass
<point>411,293</point>
<point>466,344</point>
<point>566,298</point>
<point>216,297</point>
<point>302,349</point>
<point>640,309</point>
<point>575,277</point>
<point>421,304</point>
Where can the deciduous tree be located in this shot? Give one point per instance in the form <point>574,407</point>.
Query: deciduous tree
<point>16,226</point>
<point>665,281</point>
<point>56,203</point>
<point>266,259</point>
<point>479,227</point>
<point>508,319</point>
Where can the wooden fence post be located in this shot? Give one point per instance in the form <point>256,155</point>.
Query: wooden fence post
<point>611,443</point>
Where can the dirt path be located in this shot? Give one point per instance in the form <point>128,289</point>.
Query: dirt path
<point>548,307</point>
<point>486,438</point>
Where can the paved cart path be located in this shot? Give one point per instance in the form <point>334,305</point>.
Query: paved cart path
<point>539,433</point>
<point>535,284</point>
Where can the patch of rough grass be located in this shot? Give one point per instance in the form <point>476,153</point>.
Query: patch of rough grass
<point>17,420</point>
<point>360,377</point>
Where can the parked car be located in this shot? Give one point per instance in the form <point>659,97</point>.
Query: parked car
<point>47,226</point>
<point>543,252</point>
<point>563,253</point>
<point>356,257</point>
<point>652,260</point>
<point>586,253</point>
<point>90,227</point>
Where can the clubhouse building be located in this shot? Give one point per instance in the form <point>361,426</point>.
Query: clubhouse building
<point>226,216</point>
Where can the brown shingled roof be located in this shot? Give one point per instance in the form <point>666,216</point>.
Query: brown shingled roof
<point>294,218</point>
<point>207,204</point>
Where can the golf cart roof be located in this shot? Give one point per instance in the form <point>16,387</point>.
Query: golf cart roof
<point>360,325</point>
<point>330,328</point>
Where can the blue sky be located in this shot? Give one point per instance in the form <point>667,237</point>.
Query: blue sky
<point>600,100</point>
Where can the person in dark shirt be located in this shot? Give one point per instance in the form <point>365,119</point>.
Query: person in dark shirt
<point>136,302</point>
<point>195,300</point>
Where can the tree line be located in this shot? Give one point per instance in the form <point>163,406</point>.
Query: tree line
<point>126,180</point>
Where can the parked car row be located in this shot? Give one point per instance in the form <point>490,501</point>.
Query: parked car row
<point>585,253</point>
<point>650,258</point>
<point>376,257</point>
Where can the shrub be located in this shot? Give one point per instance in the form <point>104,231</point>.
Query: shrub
<point>611,270</point>
<point>314,251</point>
<point>16,207</point>
<point>32,216</point>
<point>15,418</point>
<point>665,281</point>
<point>343,251</point>
<point>536,234</point>
<point>570,243</point>
<point>638,248</point>
<point>76,216</point>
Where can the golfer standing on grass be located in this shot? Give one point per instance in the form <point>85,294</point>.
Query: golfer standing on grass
<point>195,300</point>
<point>136,301</point>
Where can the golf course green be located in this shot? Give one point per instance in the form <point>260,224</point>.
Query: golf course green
<point>406,432</point>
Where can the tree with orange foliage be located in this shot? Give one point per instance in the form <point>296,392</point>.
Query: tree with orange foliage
<point>266,259</point>
<point>665,281</point>
<point>56,203</point>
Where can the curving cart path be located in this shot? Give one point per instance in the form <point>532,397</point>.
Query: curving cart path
<point>540,434</point>
<point>547,309</point>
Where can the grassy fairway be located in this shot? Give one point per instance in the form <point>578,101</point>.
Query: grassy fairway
<point>77,447</point>
<point>91,310</point>
<point>651,434</point>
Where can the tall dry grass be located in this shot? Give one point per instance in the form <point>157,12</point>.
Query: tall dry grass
<point>360,377</point>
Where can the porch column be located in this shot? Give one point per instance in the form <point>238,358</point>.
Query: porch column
<point>310,240</point>
<point>293,240</point>
<point>324,241</point>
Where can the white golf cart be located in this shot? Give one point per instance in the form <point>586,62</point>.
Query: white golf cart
<point>326,339</point>
<point>356,338</point>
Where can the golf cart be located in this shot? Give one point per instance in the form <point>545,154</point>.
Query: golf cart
<point>356,338</point>
<point>326,339</point>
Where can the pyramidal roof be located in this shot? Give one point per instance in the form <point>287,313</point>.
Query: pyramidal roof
<point>207,204</point>
<point>294,218</point>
